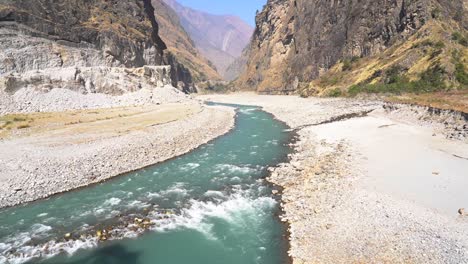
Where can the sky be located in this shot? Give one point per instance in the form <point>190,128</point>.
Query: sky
<point>243,8</point>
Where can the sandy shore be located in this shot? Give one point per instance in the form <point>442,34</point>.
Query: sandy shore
<point>377,188</point>
<point>47,153</point>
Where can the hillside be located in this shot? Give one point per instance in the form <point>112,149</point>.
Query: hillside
<point>221,39</point>
<point>181,45</point>
<point>328,47</point>
<point>76,35</point>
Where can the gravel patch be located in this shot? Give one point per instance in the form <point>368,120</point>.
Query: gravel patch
<point>32,171</point>
<point>28,100</point>
<point>332,217</point>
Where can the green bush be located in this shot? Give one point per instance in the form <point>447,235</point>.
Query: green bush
<point>335,93</point>
<point>458,37</point>
<point>431,80</point>
<point>392,75</point>
<point>435,13</point>
<point>348,63</point>
<point>461,75</point>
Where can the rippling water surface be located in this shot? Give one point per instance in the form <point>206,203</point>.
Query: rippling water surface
<point>209,206</point>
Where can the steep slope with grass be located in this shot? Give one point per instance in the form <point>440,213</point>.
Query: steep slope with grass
<point>432,60</point>
<point>327,47</point>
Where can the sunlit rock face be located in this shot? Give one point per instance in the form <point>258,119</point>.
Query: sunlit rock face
<point>45,34</point>
<point>297,40</point>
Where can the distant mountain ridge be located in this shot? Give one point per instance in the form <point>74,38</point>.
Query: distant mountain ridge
<point>180,44</point>
<point>220,38</point>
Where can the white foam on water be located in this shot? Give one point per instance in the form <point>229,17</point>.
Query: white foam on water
<point>248,111</point>
<point>239,211</point>
<point>189,166</point>
<point>47,250</point>
<point>234,169</point>
<point>42,215</point>
<point>177,190</point>
<point>138,204</point>
<point>112,201</point>
<point>214,194</point>
<point>235,180</point>
<point>19,240</point>
<point>273,142</point>
<point>40,229</point>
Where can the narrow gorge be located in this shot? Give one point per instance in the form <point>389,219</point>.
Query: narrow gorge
<point>237,132</point>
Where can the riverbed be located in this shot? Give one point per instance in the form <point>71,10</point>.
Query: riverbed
<point>209,206</point>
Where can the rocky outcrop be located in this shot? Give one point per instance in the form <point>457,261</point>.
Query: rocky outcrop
<point>105,80</point>
<point>453,124</point>
<point>296,41</point>
<point>124,33</point>
<point>44,34</point>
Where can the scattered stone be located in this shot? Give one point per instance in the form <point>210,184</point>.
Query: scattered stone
<point>67,236</point>
<point>462,211</point>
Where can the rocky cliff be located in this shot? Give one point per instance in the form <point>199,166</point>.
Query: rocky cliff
<point>298,41</point>
<point>220,38</point>
<point>45,34</point>
<point>181,45</point>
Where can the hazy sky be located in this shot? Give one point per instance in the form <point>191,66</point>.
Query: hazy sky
<point>244,8</point>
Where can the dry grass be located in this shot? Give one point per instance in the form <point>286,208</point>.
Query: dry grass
<point>416,54</point>
<point>454,100</point>
<point>89,124</point>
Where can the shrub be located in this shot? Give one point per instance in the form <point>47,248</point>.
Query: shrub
<point>431,80</point>
<point>460,74</point>
<point>458,37</point>
<point>335,93</point>
<point>435,13</point>
<point>348,63</point>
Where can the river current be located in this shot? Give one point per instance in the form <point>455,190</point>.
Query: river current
<point>212,205</point>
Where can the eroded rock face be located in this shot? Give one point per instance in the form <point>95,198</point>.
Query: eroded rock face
<point>45,34</point>
<point>124,32</point>
<point>105,80</point>
<point>297,40</point>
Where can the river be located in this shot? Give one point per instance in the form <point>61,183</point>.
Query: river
<point>212,205</point>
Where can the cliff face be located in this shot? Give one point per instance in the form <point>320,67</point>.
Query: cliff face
<point>45,34</point>
<point>220,39</point>
<point>125,32</point>
<point>296,41</point>
<point>181,45</point>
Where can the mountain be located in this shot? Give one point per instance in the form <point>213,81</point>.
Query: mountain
<point>181,45</point>
<point>219,38</point>
<point>318,47</point>
<point>49,35</point>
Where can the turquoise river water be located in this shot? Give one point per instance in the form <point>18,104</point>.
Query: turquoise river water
<point>209,206</point>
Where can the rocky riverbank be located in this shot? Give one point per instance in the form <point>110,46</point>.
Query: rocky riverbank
<point>54,159</point>
<point>361,184</point>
